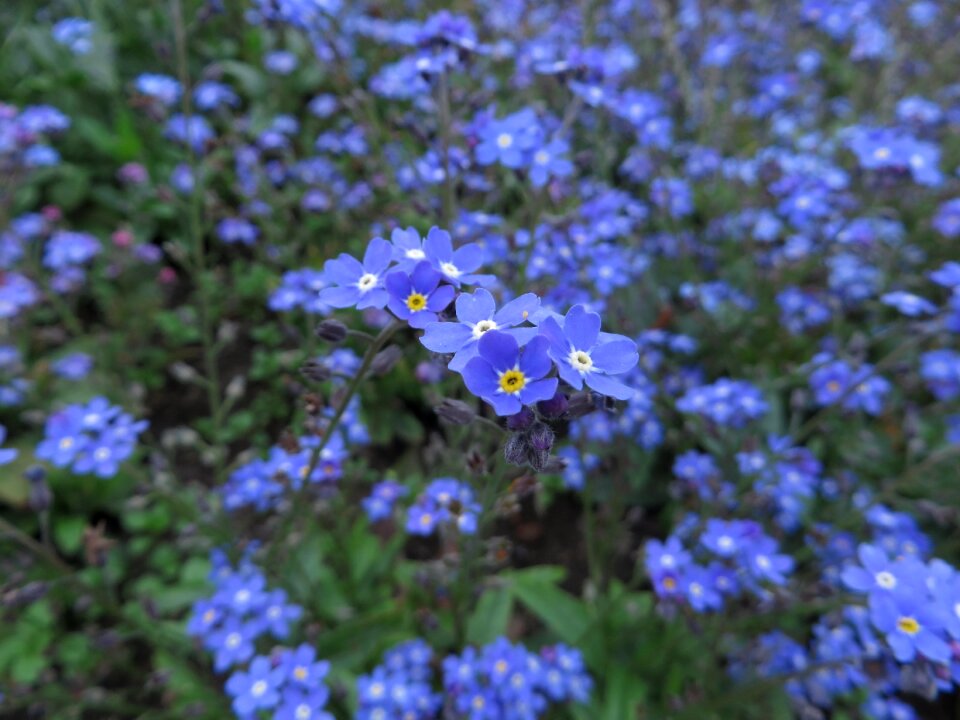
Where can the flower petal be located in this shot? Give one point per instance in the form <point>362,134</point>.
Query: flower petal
<point>616,356</point>
<point>581,327</point>
<point>499,349</point>
<point>446,337</point>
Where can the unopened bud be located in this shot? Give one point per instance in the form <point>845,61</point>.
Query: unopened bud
<point>455,412</point>
<point>555,406</point>
<point>580,404</point>
<point>515,450</point>
<point>541,438</point>
<point>40,497</point>
<point>521,420</point>
<point>184,373</point>
<point>333,331</point>
<point>385,360</point>
<point>316,371</point>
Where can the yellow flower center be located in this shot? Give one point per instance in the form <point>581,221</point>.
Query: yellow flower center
<point>512,381</point>
<point>833,386</point>
<point>908,625</point>
<point>300,673</point>
<point>669,583</point>
<point>416,302</point>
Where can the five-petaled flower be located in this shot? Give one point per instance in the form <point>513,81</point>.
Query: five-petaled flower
<point>418,297</point>
<point>506,376</point>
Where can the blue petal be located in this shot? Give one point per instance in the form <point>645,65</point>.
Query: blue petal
<point>615,357</point>
<point>480,378</point>
<point>440,298</point>
<point>378,256</point>
<point>581,327</point>
<point>446,337</point>
<point>517,310</point>
<point>534,362</point>
<point>606,385</point>
<point>438,246</point>
<point>340,297</point>
<point>539,390</point>
<point>398,283</point>
<point>499,349</point>
<point>476,307</point>
<point>468,258</point>
<point>424,278</point>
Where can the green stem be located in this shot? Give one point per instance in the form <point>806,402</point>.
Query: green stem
<point>195,228</point>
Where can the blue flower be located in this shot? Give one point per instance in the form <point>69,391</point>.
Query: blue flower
<point>359,284</point>
<point>257,688</point>
<point>912,624</point>
<point>477,314</point>
<point>456,266</point>
<point>416,297</point>
<point>550,161</point>
<point>764,563</point>
<point>162,88</point>
<point>75,366</point>
<point>585,355</point>
<point>74,33</point>
<point>507,378</point>
<point>879,575</point>
<point>909,304</point>
<point>237,230</point>
<point>509,141</point>
<point>232,643</point>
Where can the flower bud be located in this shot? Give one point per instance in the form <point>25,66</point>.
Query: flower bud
<point>581,404</point>
<point>541,438</point>
<point>521,420</point>
<point>40,497</point>
<point>455,412</point>
<point>385,360</point>
<point>313,370</point>
<point>515,449</point>
<point>333,331</point>
<point>555,406</point>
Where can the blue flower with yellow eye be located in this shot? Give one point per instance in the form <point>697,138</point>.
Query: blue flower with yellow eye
<point>478,314</point>
<point>585,355</point>
<point>508,378</point>
<point>418,297</point>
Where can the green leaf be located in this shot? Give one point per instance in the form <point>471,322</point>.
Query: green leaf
<point>564,614</point>
<point>624,691</point>
<point>490,617</point>
<point>68,533</point>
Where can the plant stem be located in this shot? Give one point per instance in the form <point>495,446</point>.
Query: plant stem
<point>195,228</point>
<point>38,549</point>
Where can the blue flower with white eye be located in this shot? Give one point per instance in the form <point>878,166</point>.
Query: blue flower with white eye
<point>507,377</point>
<point>477,314</point>
<point>585,355</point>
<point>162,88</point>
<point>417,297</point>
<point>256,688</point>
<point>909,304</point>
<point>550,161</point>
<point>456,266</point>
<point>358,284</point>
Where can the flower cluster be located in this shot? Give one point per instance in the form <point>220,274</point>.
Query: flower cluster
<point>505,680</point>
<point>95,438</point>
<point>737,557</point>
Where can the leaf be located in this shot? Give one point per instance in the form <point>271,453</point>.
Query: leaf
<point>564,614</point>
<point>624,691</point>
<point>68,533</point>
<point>490,616</point>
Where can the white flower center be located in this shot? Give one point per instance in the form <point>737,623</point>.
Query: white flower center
<point>303,712</point>
<point>242,596</point>
<point>451,270</point>
<point>542,157</point>
<point>725,542</point>
<point>366,282</point>
<point>504,140</point>
<point>416,254</point>
<point>580,361</point>
<point>763,562</point>
<point>101,454</point>
<point>259,688</point>
<point>956,609</point>
<point>886,580</point>
<point>881,153</point>
<point>233,640</point>
<point>483,326</point>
